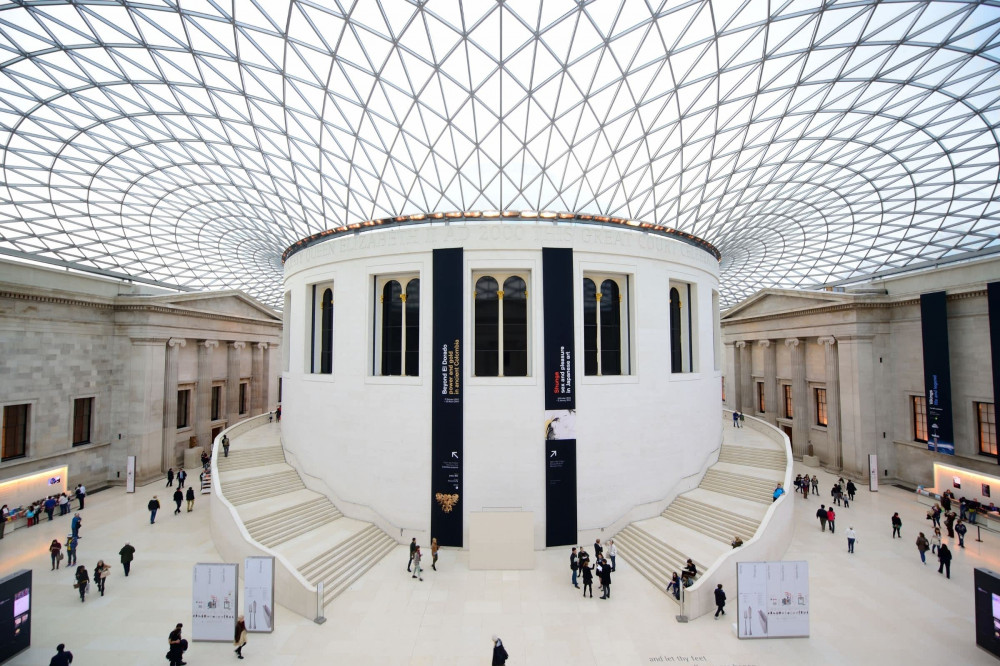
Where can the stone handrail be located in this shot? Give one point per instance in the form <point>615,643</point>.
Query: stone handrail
<point>769,543</point>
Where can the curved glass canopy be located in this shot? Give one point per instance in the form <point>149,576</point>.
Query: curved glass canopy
<point>189,143</point>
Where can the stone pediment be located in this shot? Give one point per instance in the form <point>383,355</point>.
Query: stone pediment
<point>230,303</point>
<point>773,301</point>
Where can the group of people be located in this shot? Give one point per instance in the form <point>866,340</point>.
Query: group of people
<point>685,579</point>
<point>738,419</point>
<point>81,578</point>
<point>579,564</point>
<point>414,566</point>
<point>47,505</point>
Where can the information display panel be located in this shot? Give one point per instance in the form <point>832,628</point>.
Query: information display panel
<point>214,601</point>
<point>15,614</point>
<point>772,599</point>
<point>258,594</point>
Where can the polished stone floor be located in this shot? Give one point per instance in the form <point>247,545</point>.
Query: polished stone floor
<point>878,606</point>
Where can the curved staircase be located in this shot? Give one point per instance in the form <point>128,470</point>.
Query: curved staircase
<point>304,526</point>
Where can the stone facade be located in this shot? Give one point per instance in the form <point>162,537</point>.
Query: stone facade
<point>863,347</point>
<point>128,348</point>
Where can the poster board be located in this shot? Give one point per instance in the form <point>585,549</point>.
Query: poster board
<point>258,594</point>
<point>214,601</point>
<point>15,614</point>
<point>130,474</point>
<point>772,599</point>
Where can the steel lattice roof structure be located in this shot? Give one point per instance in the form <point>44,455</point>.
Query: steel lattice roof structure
<point>190,143</point>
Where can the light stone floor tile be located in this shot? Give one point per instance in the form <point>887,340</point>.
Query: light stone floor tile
<point>879,606</point>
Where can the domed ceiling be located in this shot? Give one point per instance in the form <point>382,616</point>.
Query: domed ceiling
<point>190,143</point>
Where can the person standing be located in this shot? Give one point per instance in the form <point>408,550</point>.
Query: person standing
<point>851,489</point>
<point>778,492</point>
<point>606,579</point>
<point>852,536</point>
<point>50,506</point>
<point>815,485</point>
<point>499,653</point>
<point>101,572</point>
<point>923,545</point>
<point>4,512</point>
<point>588,577</point>
<point>63,504</point>
<point>949,522</point>
<point>81,494</point>
<point>63,657</point>
<point>127,553</point>
<point>598,550</point>
<point>935,540</point>
<point>944,559</point>
<point>170,477</point>
<point>178,498</point>
<point>153,506</point>
<point>417,571</point>
<point>960,530</point>
<point>177,646</point>
<point>936,515</point>
<point>81,581</point>
<point>240,639</point>
<point>720,601</point>
<point>434,553</point>
<point>822,515</point>
<point>413,549</point>
<point>830,518</point>
<point>612,553</point>
<point>55,551</point>
<point>75,524</point>
<point>742,418</point>
<point>897,526</point>
<point>277,413</point>
<point>190,499</point>
<point>573,566</point>
<point>225,446</point>
<point>736,418</point>
<point>71,542</point>
<point>181,478</point>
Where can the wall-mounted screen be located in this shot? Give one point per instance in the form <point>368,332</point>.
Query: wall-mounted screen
<point>988,610</point>
<point>15,614</point>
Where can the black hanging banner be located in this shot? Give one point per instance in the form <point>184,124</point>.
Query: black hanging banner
<point>446,408</point>
<point>937,371</point>
<point>560,397</point>
<point>993,298</point>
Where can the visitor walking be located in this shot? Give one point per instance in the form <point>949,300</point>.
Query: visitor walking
<point>413,549</point>
<point>190,499</point>
<point>153,506</point>
<point>63,657</point>
<point>178,498</point>
<point>434,553</point>
<point>81,581</point>
<point>720,601</point>
<point>418,572</point>
<point>897,526</point>
<point>499,653</point>
<point>736,418</point>
<point>75,524</point>
<point>960,530</point>
<point>831,517</point>
<point>178,646</point>
<point>923,545</point>
<point>181,478</point>
<point>852,537</point>
<point>127,553</point>
<point>944,559</point>
<point>225,446</point>
<point>170,477</point>
<point>851,489</point>
<point>240,639</point>
<point>935,540</point>
<point>815,485</point>
<point>822,515</point>
<point>55,551</point>
<point>101,572</point>
<point>588,577</point>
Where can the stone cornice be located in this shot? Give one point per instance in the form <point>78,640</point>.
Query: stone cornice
<point>134,307</point>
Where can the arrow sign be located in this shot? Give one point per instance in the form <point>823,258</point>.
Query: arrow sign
<point>553,454</point>
<point>454,454</point>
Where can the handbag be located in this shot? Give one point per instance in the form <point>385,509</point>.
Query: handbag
<point>60,556</point>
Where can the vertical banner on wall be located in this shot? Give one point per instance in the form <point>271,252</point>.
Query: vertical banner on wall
<point>993,298</point>
<point>446,407</point>
<point>937,371</point>
<point>130,474</point>
<point>214,600</point>
<point>560,397</point>
<point>258,594</point>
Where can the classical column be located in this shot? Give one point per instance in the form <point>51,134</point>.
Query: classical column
<point>800,397</point>
<point>770,381</point>
<point>203,394</point>
<point>730,373</point>
<point>746,376</point>
<point>835,446</point>
<point>858,396</point>
<point>169,455</point>
<point>737,387</point>
<point>233,353</point>
<point>265,379</point>
<point>256,378</point>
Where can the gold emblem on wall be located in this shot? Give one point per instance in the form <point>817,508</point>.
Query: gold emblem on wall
<point>446,502</point>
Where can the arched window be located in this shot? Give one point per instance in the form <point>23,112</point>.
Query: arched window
<point>605,326</point>
<point>501,326</point>
<point>676,353</point>
<point>326,333</point>
<point>397,344</point>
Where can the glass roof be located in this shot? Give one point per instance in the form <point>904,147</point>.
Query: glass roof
<point>189,143</point>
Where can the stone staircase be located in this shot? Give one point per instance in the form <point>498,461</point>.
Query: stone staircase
<point>731,500</point>
<point>305,527</point>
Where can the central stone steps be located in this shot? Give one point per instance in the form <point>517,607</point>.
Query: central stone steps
<point>269,485</point>
<point>753,457</point>
<point>710,520</point>
<point>739,485</point>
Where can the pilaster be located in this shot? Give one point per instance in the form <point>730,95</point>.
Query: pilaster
<point>257,379</point>
<point>833,430</point>
<point>145,385</point>
<point>169,454</point>
<point>857,399</point>
<point>233,352</point>
<point>800,397</point>
<point>770,381</point>
<point>203,393</point>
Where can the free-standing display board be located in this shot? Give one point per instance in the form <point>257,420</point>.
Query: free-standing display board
<point>15,614</point>
<point>214,601</point>
<point>258,594</point>
<point>772,599</point>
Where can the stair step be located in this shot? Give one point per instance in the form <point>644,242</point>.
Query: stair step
<point>287,513</point>
<point>709,512</point>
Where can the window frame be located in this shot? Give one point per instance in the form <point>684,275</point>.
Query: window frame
<point>788,400</point>
<point>687,314</point>
<point>502,277</point>
<point>188,390</point>
<point>216,402</point>
<point>319,348</point>
<point>822,417</point>
<point>89,438</point>
<point>409,351</point>
<point>243,403</point>
<point>25,431</point>
<point>761,398</point>
<point>918,408</point>
<point>991,427</point>
<point>624,284</point>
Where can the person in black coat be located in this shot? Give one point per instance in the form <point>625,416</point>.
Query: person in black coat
<point>588,577</point>
<point>897,525</point>
<point>153,506</point>
<point>81,581</point>
<point>178,646</point>
<point>170,477</point>
<point>178,498</point>
<point>190,499</point>
<point>181,478</point>
<point>606,579</point>
<point>720,601</point>
<point>63,656</point>
<point>499,653</point>
<point>691,569</point>
<point>127,553</point>
<point>944,559</point>
<point>851,489</point>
